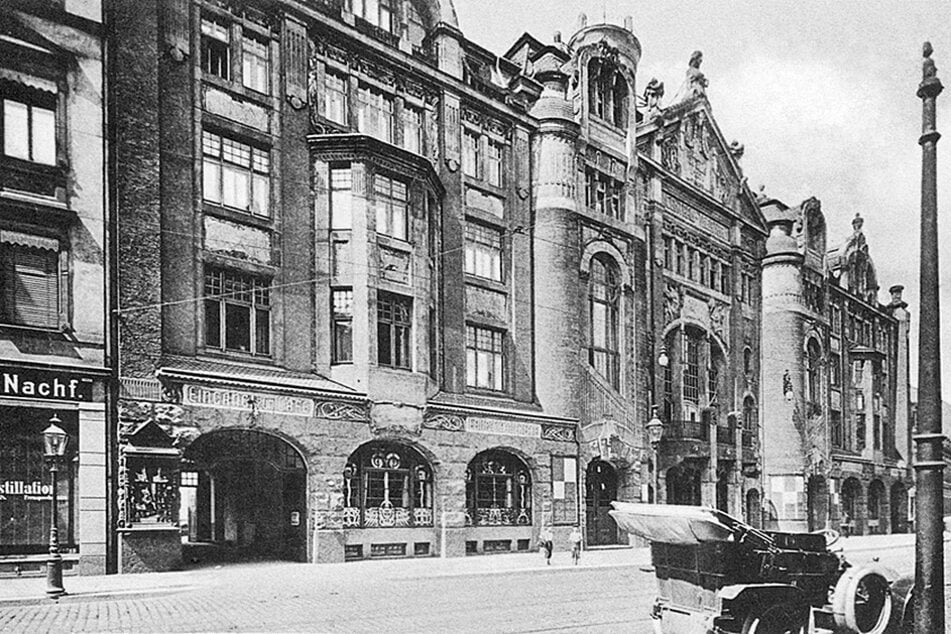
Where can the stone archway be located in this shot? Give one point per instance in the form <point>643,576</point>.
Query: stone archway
<point>899,508</point>
<point>601,489</point>
<point>244,496</point>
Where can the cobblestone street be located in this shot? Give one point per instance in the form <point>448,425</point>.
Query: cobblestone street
<point>609,592</point>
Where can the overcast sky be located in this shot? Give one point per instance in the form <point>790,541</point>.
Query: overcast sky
<point>822,95</point>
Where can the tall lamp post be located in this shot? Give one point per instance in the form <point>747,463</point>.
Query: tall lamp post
<point>929,466</point>
<point>54,448</point>
<point>655,432</point>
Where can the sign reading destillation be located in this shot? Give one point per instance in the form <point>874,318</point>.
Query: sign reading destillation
<point>29,490</point>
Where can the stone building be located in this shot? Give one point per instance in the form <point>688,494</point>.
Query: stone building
<point>836,381</point>
<point>54,258</point>
<point>386,293</point>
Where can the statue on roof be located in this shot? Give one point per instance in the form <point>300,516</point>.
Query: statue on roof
<point>653,93</point>
<point>928,70</point>
<point>696,81</point>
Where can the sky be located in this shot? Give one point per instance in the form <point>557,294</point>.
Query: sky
<point>821,94</point>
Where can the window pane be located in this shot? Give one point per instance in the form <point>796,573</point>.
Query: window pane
<point>261,186</point>
<point>44,136</point>
<point>237,327</point>
<point>255,64</point>
<point>340,198</point>
<point>262,331</point>
<point>211,180</point>
<point>343,342</point>
<point>384,343</point>
<point>16,129</point>
<point>212,323</point>
<point>235,186</point>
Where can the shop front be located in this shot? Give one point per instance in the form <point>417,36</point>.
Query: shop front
<point>29,400</point>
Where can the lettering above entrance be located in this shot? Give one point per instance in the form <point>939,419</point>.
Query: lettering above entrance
<point>46,384</point>
<point>218,398</point>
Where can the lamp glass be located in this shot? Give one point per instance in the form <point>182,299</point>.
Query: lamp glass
<point>655,429</point>
<point>55,439</point>
<point>662,359</point>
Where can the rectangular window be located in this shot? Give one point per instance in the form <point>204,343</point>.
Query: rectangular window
<point>837,435</point>
<point>714,274</point>
<point>471,154</point>
<point>702,269</point>
<point>835,366</point>
<point>237,312</point>
<point>725,279</point>
<point>335,98</point>
<point>494,164</point>
<point>341,188</point>
<point>692,370</point>
<point>433,344</point>
<point>30,285</point>
<point>483,252</point>
<point>668,253</point>
<point>680,248</point>
<point>29,132</point>
<point>342,306</point>
<point>394,329</point>
<point>860,432</point>
<point>391,206</point>
<point>236,174</point>
<point>413,129</point>
<point>375,113</point>
<point>484,364</point>
<point>691,264</point>
<point>215,48</point>
<point>876,431</point>
<point>255,66</point>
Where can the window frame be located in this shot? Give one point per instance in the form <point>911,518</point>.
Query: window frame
<point>49,139</point>
<point>248,67</point>
<point>484,251</point>
<point>604,294</point>
<point>376,113</point>
<point>471,153</point>
<point>340,197</point>
<point>394,313</point>
<point>256,170</point>
<point>392,212</point>
<point>216,66</point>
<point>498,466</point>
<point>217,299</point>
<point>341,315</point>
<point>491,352</point>
<point>17,274</point>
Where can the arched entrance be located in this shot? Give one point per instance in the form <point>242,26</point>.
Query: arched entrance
<point>899,508</point>
<point>601,491</point>
<point>754,509</point>
<point>244,491</point>
<point>851,492</point>
<point>683,485</point>
<point>817,502</point>
<point>876,502</point>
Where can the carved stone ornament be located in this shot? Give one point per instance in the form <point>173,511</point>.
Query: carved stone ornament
<point>717,317</point>
<point>672,303</point>
<point>558,433</point>
<point>522,193</point>
<point>337,410</point>
<point>444,422</point>
<point>296,102</point>
<point>452,164</point>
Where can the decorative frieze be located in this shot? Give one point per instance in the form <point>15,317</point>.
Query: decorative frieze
<point>559,433</point>
<point>444,422</point>
<point>340,410</point>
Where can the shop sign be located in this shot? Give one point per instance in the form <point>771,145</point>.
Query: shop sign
<point>59,386</point>
<point>502,427</point>
<point>247,401</point>
<point>35,490</point>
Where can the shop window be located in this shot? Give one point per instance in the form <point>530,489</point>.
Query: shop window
<point>216,48</point>
<point>604,289</point>
<point>335,98</point>
<point>342,306</point>
<point>394,329</point>
<point>341,198</point>
<point>498,490</point>
<point>375,113</point>
<point>148,477</point>
<point>237,312</point>
<point>236,174</point>
<point>392,201</point>
<point>30,280</point>
<point>25,488</point>
<point>413,129</point>
<point>29,129</point>
<point>255,64</point>
<point>483,251</point>
<point>484,358</point>
<point>387,485</point>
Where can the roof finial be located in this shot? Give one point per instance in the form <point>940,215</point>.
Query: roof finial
<point>928,69</point>
<point>696,81</point>
<point>857,222</point>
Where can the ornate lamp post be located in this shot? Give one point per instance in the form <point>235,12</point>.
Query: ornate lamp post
<point>54,448</point>
<point>655,432</point>
<point>929,466</point>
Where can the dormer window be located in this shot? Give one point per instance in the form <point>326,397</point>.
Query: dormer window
<point>607,93</point>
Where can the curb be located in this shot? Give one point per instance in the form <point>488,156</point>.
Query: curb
<point>102,595</point>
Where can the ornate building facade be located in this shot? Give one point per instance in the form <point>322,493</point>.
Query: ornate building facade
<point>837,381</point>
<point>386,293</point>
<point>54,258</point>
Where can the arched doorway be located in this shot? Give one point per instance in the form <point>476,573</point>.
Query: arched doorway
<point>817,502</point>
<point>683,485</point>
<point>899,508</point>
<point>601,491</point>
<point>876,502</point>
<point>851,492</point>
<point>754,509</point>
<point>244,491</point>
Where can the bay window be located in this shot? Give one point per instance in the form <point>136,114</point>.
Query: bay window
<point>394,330</point>
<point>392,201</point>
<point>342,312</point>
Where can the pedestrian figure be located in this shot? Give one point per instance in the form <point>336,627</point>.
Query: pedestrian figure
<point>576,544</point>
<point>547,544</point>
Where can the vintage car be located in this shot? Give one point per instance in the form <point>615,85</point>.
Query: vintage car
<point>718,575</point>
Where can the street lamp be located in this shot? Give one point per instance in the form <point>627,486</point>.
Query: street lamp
<point>54,448</point>
<point>662,359</point>
<point>655,432</point>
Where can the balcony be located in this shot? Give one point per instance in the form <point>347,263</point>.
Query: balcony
<point>687,430</point>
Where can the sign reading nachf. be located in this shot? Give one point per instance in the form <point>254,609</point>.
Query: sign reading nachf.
<point>59,386</point>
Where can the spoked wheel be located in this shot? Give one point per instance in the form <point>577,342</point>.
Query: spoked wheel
<point>872,604</point>
<point>777,619</point>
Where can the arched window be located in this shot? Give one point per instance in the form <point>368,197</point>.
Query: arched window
<point>387,484</point>
<point>607,92</point>
<point>749,421</point>
<point>498,490</point>
<point>747,361</point>
<point>876,495</point>
<point>603,295</point>
<point>813,371</point>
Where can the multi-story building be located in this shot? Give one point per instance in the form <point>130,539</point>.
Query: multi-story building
<point>54,258</point>
<point>835,380</point>
<point>386,293</point>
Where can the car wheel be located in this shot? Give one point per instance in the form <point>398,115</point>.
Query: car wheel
<point>777,619</point>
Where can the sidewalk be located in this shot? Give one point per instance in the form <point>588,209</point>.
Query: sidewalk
<point>31,590</point>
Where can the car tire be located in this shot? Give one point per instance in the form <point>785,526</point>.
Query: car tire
<point>777,619</point>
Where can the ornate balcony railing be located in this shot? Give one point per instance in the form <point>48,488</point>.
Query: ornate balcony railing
<point>687,430</point>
